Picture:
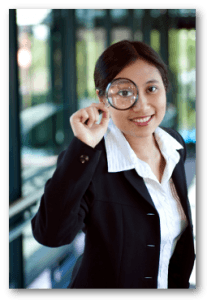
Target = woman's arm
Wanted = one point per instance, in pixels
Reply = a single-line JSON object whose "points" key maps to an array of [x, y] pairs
{"points": [[67, 196]]}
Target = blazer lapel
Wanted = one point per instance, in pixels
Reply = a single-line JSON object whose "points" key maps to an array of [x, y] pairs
{"points": [[138, 183]]}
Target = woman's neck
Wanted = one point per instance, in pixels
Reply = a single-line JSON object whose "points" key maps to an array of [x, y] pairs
{"points": [[146, 148]]}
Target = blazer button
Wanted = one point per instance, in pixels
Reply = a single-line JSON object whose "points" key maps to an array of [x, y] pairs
{"points": [[84, 158]]}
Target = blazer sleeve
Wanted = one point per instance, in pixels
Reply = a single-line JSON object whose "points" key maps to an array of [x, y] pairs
{"points": [[67, 196]]}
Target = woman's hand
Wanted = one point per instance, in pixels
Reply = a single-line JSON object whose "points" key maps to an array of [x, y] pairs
{"points": [[90, 132]]}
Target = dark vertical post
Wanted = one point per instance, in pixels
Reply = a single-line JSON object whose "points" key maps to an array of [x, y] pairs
{"points": [[16, 272], [69, 69], [14, 123], [108, 28], [131, 23], [16, 279], [164, 26], [146, 26]]}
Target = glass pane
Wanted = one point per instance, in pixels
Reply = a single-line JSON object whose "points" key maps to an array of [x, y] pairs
{"points": [[37, 153], [138, 18], [37, 115], [120, 25], [90, 43], [155, 40], [182, 61]]}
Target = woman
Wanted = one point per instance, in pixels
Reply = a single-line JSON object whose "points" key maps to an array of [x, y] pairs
{"points": [[122, 181]]}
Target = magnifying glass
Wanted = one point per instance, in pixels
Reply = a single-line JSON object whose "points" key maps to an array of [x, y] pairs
{"points": [[122, 93]]}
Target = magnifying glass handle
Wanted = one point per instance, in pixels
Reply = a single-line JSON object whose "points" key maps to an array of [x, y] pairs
{"points": [[99, 111]]}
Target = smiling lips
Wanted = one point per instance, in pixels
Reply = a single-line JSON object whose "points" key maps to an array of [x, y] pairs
{"points": [[142, 121]]}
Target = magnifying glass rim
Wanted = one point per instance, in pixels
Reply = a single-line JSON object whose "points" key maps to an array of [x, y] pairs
{"points": [[107, 89]]}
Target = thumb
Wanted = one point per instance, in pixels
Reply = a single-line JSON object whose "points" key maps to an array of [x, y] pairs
{"points": [[105, 118]]}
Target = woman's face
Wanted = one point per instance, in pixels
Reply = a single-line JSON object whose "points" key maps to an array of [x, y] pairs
{"points": [[146, 115]]}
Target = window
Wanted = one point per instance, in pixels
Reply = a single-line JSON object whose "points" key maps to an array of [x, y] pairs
{"points": [[36, 106], [90, 43]]}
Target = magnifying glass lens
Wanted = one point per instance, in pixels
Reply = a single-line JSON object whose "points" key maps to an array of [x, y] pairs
{"points": [[122, 94]]}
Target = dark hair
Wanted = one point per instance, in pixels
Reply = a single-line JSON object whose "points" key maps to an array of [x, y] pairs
{"points": [[116, 57]]}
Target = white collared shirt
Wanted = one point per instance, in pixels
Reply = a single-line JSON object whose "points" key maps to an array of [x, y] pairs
{"points": [[121, 157]]}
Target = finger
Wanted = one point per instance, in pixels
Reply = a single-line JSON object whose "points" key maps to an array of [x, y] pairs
{"points": [[97, 113], [96, 110], [100, 106], [81, 116], [105, 118], [92, 116]]}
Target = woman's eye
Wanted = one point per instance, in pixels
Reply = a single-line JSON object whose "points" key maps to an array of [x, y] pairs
{"points": [[152, 89], [125, 93]]}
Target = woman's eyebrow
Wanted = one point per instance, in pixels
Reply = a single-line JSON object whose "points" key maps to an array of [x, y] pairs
{"points": [[152, 81]]}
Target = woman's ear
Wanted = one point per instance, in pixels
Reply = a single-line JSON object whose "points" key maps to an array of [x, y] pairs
{"points": [[97, 91], [101, 98]]}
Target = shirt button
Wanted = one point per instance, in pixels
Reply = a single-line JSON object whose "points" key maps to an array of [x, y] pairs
{"points": [[84, 158]]}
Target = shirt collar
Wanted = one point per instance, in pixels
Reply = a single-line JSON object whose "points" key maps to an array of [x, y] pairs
{"points": [[121, 157]]}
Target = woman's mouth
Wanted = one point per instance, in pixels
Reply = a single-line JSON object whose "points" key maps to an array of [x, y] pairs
{"points": [[143, 121]]}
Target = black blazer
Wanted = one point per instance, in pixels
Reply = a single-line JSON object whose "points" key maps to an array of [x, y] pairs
{"points": [[117, 214]]}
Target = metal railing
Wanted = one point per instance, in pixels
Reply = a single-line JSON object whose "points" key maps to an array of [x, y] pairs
{"points": [[25, 203]]}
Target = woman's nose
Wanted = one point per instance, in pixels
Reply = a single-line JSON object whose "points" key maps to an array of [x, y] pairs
{"points": [[141, 104]]}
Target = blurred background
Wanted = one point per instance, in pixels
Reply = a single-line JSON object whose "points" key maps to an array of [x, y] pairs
{"points": [[52, 54]]}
